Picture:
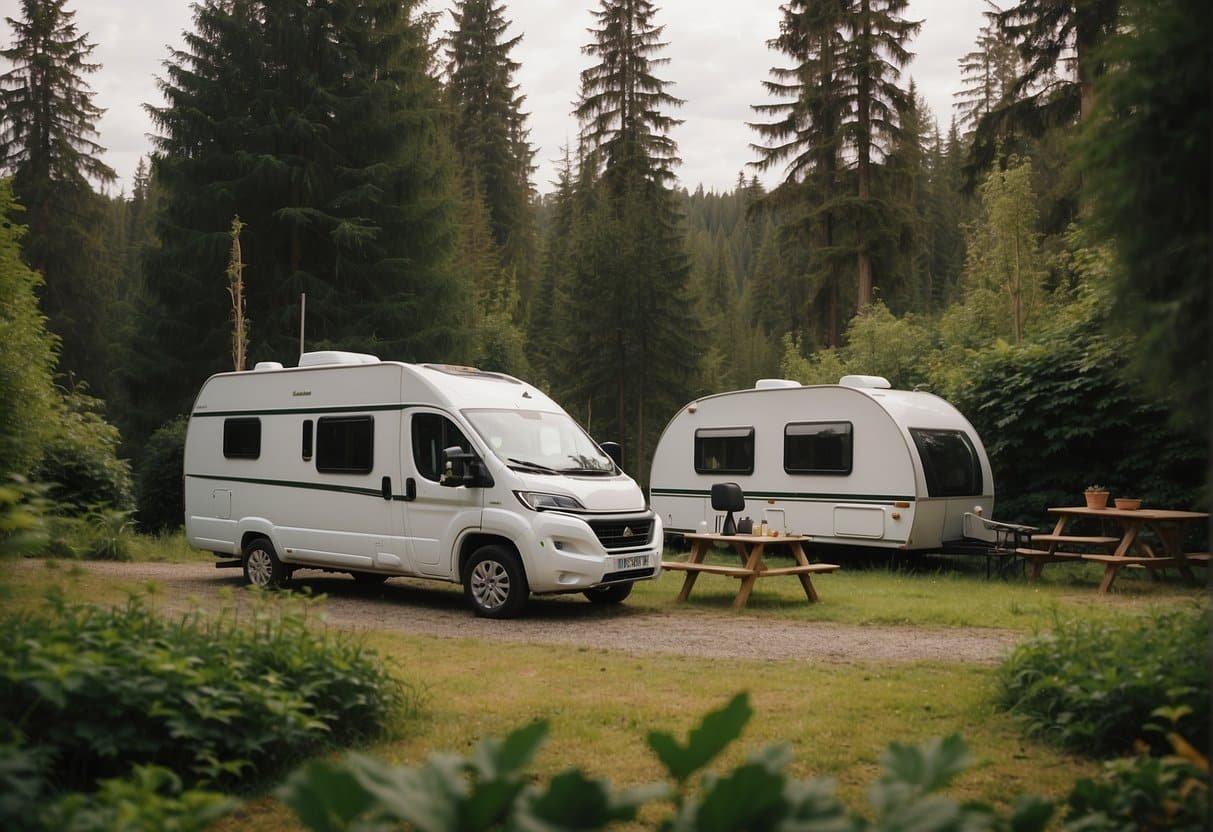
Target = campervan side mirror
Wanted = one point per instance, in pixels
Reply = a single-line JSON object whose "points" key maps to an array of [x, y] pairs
{"points": [[462, 467], [615, 451]]}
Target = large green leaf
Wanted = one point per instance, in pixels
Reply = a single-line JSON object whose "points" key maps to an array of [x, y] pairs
{"points": [[718, 729]]}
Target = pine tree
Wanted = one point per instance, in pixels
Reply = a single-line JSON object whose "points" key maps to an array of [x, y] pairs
{"points": [[988, 72], [320, 126], [47, 143], [632, 340], [871, 66], [1060, 44], [490, 129]]}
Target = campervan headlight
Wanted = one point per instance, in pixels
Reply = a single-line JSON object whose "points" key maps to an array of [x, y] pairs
{"points": [[539, 501]]}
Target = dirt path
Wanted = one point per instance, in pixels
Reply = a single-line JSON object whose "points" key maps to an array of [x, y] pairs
{"points": [[435, 609]]}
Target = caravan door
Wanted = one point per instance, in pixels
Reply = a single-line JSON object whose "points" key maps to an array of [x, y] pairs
{"points": [[435, 515]]}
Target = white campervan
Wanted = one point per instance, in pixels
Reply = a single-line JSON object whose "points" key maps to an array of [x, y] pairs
{"points": [[854, 463], [346, 463]]}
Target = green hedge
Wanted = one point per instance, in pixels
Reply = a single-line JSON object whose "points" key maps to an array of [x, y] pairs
{"points": [[1102, 689]]}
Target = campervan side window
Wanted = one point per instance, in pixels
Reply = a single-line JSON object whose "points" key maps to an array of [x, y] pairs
{"points": [[949, 462], [818, 448], [433, 433], [724, 451], [345, 444], [242, 438]]}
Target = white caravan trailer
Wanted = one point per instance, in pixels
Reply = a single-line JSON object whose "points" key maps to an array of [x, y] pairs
{"points": [[854, 463], [350, 464]]}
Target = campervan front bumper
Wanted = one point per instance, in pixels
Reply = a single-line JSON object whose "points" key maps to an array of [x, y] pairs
{"points": [[574, 552]]}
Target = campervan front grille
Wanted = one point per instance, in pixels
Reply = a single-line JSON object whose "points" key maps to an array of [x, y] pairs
{"points": [[628, 533]]}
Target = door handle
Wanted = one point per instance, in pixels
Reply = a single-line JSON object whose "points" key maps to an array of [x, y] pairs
{"points": [[385, 487], [410, 489]]}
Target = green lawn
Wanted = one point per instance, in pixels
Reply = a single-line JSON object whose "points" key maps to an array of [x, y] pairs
{"points": [[838, 717]]}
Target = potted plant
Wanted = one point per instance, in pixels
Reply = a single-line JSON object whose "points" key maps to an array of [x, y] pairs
{"points": [[1127, 503], [1097, 496]]}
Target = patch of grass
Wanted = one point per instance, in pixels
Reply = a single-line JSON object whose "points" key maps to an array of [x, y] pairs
{"points": [[167, 547]]}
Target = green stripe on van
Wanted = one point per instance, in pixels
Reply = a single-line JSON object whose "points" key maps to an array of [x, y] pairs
{"points": [[309, 486], [791, 496]]}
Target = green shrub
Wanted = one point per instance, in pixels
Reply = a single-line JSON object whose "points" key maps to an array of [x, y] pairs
{"points": [[1143, 793], [490, 789], [1061, 413], [22, 524], [80, 460], [1100, 688], [216, 700], [151, 799], [159, 486], [102, 533]]}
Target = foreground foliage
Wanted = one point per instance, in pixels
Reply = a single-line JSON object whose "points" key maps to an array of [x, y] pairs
{"points": [[1101, 689], [90, 694]]}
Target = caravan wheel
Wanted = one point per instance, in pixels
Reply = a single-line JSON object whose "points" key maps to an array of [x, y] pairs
{"points": [[261, 565], [494, 583]]}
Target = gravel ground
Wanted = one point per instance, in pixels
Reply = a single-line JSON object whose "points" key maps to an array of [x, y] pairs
{"points": [[436, 609]]}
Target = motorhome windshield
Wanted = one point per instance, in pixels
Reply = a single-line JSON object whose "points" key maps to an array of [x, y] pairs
{"points": [[540, 441]]}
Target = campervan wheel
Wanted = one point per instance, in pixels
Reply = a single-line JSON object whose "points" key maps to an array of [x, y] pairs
{"points": [[261, 565], [494, 583]]}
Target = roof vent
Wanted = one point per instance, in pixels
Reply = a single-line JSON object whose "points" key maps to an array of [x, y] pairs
{"points": [[775, 383], [328, 357], [267, 365], [873, 382]]}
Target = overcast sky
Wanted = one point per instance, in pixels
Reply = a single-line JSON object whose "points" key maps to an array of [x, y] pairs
{"points": [[717, 51]]}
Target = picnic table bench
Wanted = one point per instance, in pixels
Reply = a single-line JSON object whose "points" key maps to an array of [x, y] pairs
{"points": [[750, 549]]}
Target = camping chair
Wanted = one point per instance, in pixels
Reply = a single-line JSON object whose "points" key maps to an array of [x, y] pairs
{"points": [[999, 540]]}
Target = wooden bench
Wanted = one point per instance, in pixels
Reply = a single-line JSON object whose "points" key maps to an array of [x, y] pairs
{"points": [[1114, 563], [1197, 558], [711, 568], [1039, 557], [1076, 540]]}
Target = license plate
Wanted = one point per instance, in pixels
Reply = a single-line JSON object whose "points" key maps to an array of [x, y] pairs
{"points": [[632, 562]]}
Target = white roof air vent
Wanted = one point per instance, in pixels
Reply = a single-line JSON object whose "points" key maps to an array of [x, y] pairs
{"points": [[874, 382], [774, 383], [267, 365], [327, 357]]}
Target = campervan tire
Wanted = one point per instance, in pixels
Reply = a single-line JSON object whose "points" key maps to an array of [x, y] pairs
{"points": [[494, 583], [261, 565], [613, 594]]}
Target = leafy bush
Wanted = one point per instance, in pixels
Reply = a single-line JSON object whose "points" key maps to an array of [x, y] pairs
{"points": [[489, 789], [1149, 793], [80, 459], [215, 700], [151, 799], [159, 486], [22, 526], [102, 533], [1100, 688]]}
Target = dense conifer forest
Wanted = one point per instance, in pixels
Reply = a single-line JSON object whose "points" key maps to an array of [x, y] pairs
{"points": [[377, 157]]}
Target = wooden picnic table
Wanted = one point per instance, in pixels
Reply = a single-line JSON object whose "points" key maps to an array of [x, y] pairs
{"points": [[1127, 549], [750, 550]]}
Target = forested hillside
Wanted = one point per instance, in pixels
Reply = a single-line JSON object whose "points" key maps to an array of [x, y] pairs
{"points": [[377, 157]]}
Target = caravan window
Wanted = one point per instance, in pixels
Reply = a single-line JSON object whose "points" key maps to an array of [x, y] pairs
{"points": [[345, 444], [724, 451], [242, 438], [433, 433], [818, 448], [949, 462]]}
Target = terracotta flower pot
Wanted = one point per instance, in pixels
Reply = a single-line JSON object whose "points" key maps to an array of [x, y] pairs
{"points": [[1096, 499], [1127, 503]]}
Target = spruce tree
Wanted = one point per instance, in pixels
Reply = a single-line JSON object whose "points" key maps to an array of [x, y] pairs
{"points": [[319, 125], [48, 144], [634, 347], [988, 72], [490, 129]]}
